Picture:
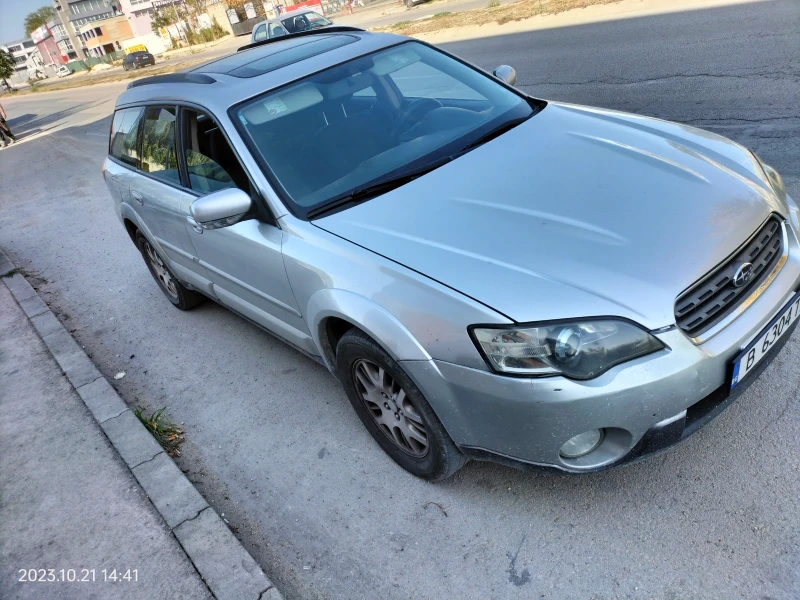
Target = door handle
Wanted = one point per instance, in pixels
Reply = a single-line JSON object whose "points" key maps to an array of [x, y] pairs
{"points": [[138, 197], [195, 225]]}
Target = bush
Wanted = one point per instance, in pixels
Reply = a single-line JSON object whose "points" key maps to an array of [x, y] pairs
{"points": [[217, 29], [206, 34]]}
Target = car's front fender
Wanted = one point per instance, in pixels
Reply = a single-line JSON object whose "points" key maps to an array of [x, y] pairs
{"points": [[411, 316], [368, 316]]}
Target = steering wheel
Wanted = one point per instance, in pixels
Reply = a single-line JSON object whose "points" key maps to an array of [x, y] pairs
{"points": [[412, 114]]}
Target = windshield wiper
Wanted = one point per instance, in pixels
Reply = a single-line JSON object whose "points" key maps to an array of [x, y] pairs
{"points": [[493, 133], [379, 187]]}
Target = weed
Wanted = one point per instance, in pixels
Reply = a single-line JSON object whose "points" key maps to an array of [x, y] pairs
{"points": [[505, 19], [493, 3], [401, 24], [169, 435], [442, 14], [27, 273]]}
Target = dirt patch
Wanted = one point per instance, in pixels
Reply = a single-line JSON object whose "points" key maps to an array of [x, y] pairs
{"points": [[525, 9]]}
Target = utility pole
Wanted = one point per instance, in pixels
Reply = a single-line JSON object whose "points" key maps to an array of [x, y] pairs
{"points": [[62, 7]]}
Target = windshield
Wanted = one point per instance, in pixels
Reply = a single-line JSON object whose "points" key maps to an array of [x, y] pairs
{"points": [[362, 121], [304, 22]]}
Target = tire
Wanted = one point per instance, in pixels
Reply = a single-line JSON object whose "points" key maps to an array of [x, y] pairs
{"points": [[180, 296], [404, 407]]}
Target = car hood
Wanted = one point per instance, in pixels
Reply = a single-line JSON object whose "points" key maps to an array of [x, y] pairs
{"points": [[577, 212]]}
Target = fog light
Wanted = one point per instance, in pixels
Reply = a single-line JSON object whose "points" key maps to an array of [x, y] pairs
{"points": [[582, 443]]}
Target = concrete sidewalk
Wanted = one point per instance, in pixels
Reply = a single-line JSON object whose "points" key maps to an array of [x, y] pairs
{"points": [[66, 499], [90, 505]]}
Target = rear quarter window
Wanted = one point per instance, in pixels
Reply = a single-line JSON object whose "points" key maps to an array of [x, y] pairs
{"points": [[124, 143]]}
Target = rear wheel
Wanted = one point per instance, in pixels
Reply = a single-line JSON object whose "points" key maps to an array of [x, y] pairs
{"points": [[394, 410], [180, 296]]}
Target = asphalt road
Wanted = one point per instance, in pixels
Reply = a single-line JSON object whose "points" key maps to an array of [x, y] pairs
{"points": [[272, 441]]}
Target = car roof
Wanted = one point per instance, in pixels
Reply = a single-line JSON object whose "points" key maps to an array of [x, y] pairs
{"points": [[219, 84]]}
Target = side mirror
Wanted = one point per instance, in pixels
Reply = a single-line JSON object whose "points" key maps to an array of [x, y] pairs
{"points": [[506, 73], [220, 209]]}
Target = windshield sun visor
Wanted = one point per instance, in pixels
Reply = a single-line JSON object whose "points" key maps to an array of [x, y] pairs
{"points": [[291, 100]]}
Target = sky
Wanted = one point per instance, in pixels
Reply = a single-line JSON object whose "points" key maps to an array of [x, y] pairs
{"points": [[12, 16]]}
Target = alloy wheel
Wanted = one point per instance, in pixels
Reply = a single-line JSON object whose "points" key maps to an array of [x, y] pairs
{"points": [[162, 273], [390, 407]]}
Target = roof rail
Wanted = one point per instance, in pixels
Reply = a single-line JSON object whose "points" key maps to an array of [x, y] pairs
{"points": [[332, 29], [173, 78]]}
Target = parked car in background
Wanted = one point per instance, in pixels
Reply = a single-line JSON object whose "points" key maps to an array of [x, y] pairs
{"points": [[488, 274], [63, 71], [137, 60], [288, 23]]}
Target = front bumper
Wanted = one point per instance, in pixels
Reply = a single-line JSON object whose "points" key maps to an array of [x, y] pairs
{"points": [[660, 436], [644, 405]]}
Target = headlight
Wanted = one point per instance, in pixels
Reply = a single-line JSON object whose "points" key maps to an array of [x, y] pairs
{"points": [[580, 349]]}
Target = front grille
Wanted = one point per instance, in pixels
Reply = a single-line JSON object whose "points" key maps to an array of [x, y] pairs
{"points": [[712, 298]]}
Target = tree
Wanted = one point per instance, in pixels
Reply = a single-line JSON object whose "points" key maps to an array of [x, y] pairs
{"points": [[163, 18], [6, 66], [198, 6], [38, 18]]}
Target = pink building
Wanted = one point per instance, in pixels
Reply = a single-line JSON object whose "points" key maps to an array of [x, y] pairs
{"points": [[43, 38]]}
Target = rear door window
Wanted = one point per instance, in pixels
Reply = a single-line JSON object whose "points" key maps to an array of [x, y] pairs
{"points": [[260, 34], [124, 144], [159, 157]]}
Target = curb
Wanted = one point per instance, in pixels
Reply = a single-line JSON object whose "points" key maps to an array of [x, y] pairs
{"points": [[220, 559]]}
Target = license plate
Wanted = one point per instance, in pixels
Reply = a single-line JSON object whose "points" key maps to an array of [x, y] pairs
{"points": [[747, 361]]}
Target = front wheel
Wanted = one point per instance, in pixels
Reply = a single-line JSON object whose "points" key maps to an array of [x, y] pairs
{"points": [[394, 410], [180, 296]]}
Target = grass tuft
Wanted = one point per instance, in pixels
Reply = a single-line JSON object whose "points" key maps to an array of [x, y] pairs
{"points": [[493, 3], [169, 435]]}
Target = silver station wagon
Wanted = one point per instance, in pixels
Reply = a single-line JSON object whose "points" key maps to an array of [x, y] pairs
{"points": [[489, 275]]}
